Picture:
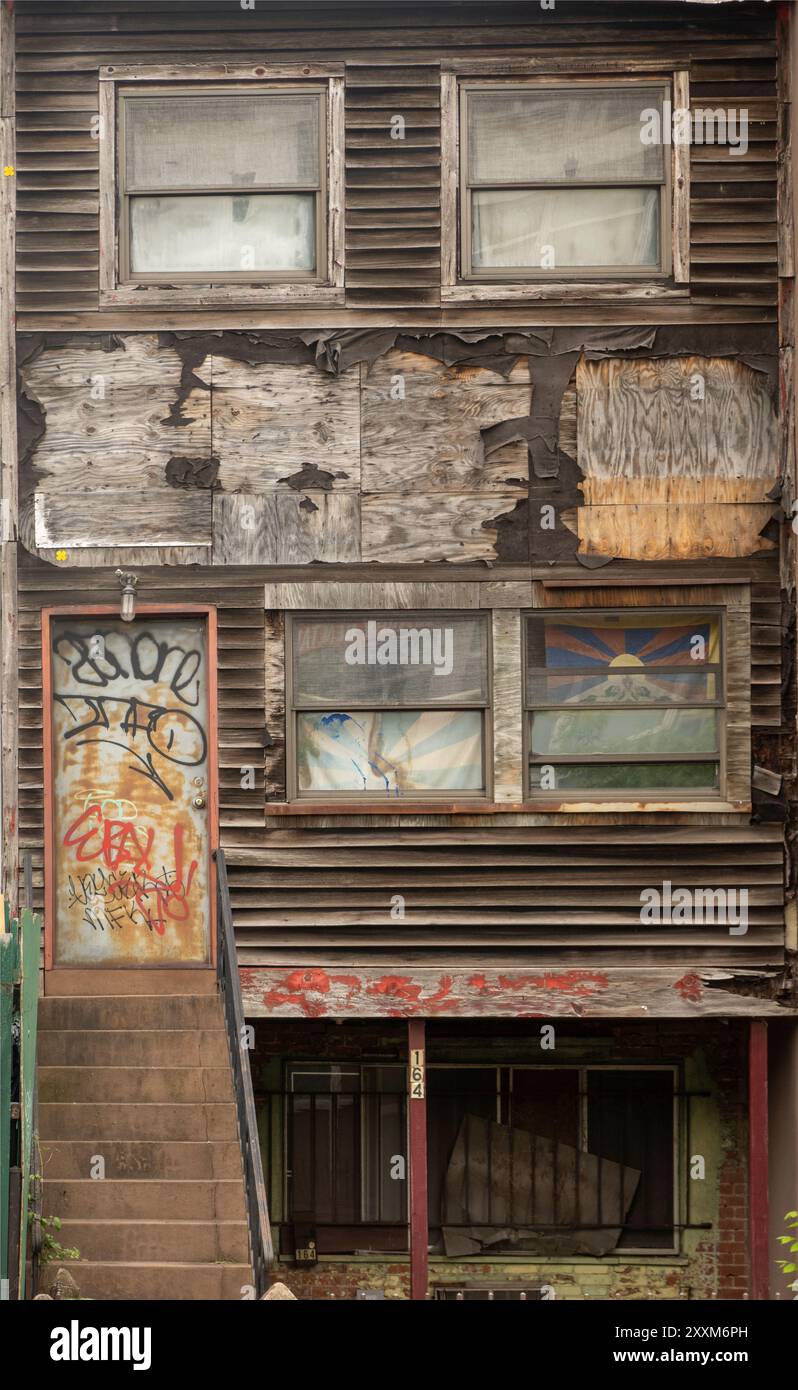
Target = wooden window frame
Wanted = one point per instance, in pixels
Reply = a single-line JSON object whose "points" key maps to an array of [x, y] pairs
{"points": [[325, 286], [459, 284], [366, 800], [732, 603], [657, 793]]}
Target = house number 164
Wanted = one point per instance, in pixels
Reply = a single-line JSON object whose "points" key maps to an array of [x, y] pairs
{"points": [[417, 1074]]}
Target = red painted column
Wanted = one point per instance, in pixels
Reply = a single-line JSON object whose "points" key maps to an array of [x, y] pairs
{"points": [[417, 1158], [758, 1158]]}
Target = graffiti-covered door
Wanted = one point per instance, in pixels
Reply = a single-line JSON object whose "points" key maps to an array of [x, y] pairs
{"points": [[130, 792]]}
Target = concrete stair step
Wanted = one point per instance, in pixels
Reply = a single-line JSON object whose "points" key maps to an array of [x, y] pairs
{"points": [[157, 1199], [152, 1280], [141, 1158], [192, 1242], [139, 1011], [137, 1120], [172, 1084], [155, 1047]]}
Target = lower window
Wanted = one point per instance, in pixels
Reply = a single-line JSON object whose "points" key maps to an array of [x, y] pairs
{"points": [[547, 1160]]}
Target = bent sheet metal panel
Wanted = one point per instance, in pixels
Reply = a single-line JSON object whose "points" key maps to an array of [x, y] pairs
{"points": [[130, 750]]}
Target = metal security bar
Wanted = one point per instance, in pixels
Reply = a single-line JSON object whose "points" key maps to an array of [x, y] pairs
{"points": [[601, 1174]]}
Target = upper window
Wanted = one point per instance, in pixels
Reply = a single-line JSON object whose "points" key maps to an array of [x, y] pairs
{"points": [[625, 704], [222, 184], [235, 187], [561, 180], [393, 705]]}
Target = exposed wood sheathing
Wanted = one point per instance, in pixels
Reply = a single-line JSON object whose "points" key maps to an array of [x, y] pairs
{"points": [[680, 457], [355, 447]]}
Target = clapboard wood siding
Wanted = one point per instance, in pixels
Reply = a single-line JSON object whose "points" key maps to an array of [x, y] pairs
{"points": [[393, 55], [504, 891]]}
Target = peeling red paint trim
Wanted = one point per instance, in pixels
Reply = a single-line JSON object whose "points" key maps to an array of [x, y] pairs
{"points": [[311, 991], [690, 987]]}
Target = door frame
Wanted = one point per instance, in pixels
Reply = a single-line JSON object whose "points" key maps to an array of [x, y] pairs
{"points": [[201, 610]]}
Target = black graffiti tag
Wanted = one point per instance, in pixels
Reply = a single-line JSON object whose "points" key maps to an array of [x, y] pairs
{"points": [[171, 734], [146, 658]]}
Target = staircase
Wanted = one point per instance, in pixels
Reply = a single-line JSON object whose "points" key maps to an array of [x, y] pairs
{"points": [[144, 1083]]}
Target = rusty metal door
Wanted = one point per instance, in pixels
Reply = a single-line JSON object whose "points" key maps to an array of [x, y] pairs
{"points": [[130, 795]]}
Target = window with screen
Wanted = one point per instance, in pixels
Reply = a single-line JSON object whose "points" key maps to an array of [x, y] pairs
{"points": [[222, 184], [624, 704], [389, 706], [563, 179]]}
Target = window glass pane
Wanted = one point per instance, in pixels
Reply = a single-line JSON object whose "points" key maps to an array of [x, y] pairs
{"points": [[384, 1138], [553, 776], [533, 137], [557, 228], [395, 753], [395, 659], [628, 661], [325, 1172], [223, 140], [258, 232], [623, 687], [630, 1121], [587, 732], [623, 641]]}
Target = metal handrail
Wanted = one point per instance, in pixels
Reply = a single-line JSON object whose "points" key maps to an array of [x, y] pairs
{"points": [[260, 1235]]}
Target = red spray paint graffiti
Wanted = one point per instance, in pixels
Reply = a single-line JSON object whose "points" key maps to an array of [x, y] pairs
{"points": [[125, 849]]}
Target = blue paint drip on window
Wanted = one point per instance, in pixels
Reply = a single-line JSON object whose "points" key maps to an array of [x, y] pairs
{"points": [[337, 725]]}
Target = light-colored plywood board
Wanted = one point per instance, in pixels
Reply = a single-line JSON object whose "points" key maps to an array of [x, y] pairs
{"points": [[287, 528], [408, 529], [422, 426], [680, 417], [106, 519], [108, 417], [507, 706], [273, 420], [371, 597], [671, 532]]}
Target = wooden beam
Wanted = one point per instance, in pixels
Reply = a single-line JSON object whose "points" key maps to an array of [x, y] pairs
{"points": [[8, 473], [417, 1159], [681, 186], [758, 1159], [328, 989]]}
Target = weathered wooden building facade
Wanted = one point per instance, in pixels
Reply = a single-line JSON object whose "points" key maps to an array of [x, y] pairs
{"points": [[429, 378]]}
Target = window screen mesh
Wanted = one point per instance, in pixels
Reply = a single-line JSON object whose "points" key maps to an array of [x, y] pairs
{"points": [[216, 141]]}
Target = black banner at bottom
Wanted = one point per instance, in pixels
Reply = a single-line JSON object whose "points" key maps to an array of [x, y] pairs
{"points": [[319, 1338]]}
